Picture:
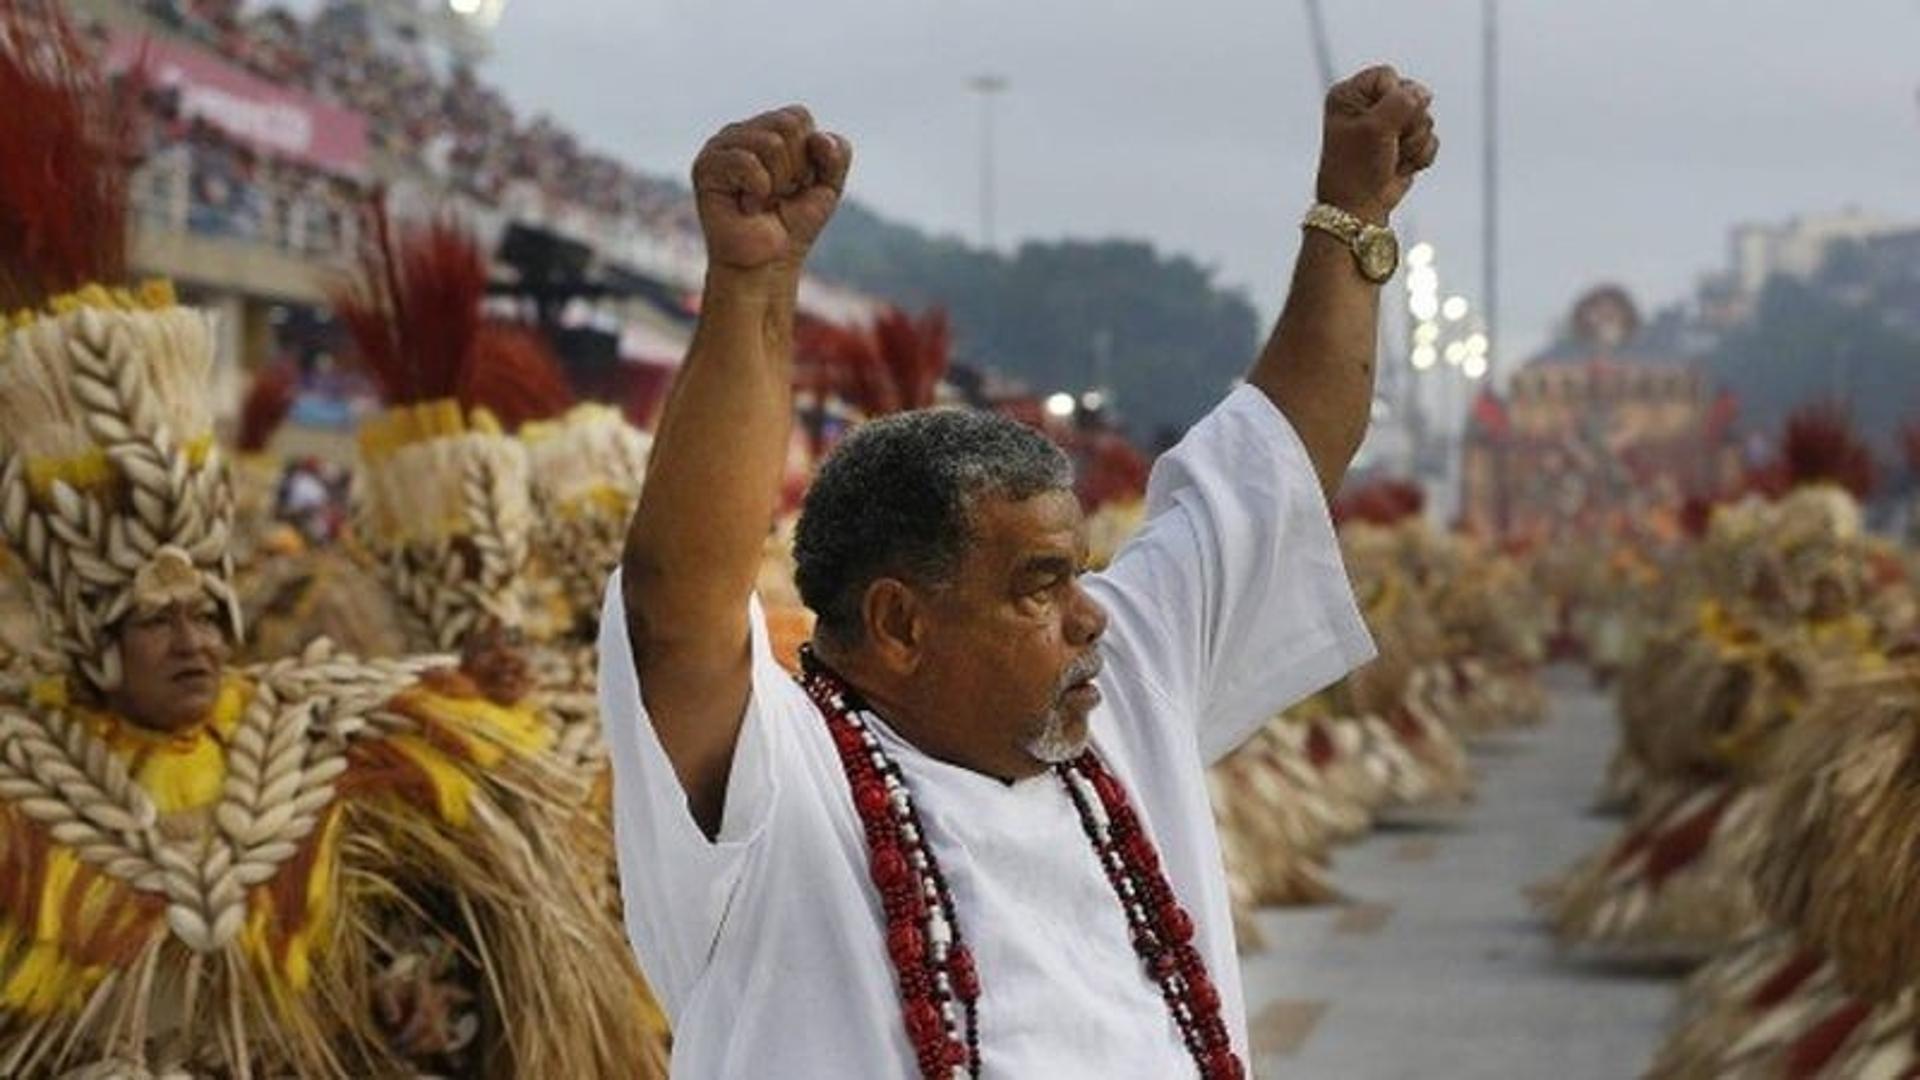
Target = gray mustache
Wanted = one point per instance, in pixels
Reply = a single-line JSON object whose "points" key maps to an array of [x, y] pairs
{"points": [[1087, 667]]}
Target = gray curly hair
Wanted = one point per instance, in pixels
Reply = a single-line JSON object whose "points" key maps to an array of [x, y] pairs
{"points": [[896, 498]]}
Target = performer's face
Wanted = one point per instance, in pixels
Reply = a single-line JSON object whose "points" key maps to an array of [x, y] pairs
{"points": [[172, 658], [1830, 598], [1010, 649]]}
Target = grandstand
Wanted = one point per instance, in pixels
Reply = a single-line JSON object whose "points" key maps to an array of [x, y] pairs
{"points": [[265, 131]]}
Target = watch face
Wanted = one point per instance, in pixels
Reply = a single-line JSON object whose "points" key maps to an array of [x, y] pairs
{"points": [[1379, 253]]}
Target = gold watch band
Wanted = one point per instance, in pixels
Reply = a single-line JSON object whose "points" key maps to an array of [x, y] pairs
{"points": [[1330, 218], [1376, 251]]}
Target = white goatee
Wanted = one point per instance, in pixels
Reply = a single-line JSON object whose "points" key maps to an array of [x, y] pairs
{"points": [[1052, 744]]}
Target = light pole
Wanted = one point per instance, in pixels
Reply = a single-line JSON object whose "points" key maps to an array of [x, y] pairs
{"points": [[988, 87], [1322, 49], [1490, 210]]}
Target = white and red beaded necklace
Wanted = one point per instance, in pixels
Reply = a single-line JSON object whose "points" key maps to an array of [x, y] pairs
{"points": [[939, 988]]}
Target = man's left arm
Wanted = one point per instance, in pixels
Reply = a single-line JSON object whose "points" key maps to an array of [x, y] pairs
{"points": [[1232, 600], [1318, 366]]}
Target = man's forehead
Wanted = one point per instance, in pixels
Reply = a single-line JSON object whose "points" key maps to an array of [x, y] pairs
{"points": [[1012, 530]]}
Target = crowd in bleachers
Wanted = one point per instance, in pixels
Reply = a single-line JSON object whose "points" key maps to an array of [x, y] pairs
{"points": [[195, 176], [441, 117]]}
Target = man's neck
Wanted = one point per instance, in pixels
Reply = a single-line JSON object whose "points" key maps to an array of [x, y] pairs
{"points": [[906, 720]]}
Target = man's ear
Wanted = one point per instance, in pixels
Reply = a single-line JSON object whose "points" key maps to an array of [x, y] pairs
{"points": [[893, 614]]}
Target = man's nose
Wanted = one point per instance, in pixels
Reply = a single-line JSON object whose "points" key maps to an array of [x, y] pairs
{"points": [[1087, 620]]}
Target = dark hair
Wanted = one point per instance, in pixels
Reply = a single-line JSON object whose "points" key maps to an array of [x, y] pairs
{"points": [[895, 500]]}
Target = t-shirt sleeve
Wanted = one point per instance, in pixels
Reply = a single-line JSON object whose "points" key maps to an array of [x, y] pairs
{"points": [[1232, 601], [675, 882]]}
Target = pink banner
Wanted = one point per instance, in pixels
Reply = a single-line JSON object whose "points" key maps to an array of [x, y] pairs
{"points": [[282, 123]]}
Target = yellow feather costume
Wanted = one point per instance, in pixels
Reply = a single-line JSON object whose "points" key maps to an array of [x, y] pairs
{"points": [[317, 877]]}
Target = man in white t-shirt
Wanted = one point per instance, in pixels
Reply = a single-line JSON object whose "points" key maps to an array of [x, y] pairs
{"points": [[975, 839]]}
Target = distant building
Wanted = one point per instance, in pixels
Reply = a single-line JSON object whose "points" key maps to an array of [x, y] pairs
{"points": [[1799, 248], [1804, 249], [1881, 275], [1602, 428]]}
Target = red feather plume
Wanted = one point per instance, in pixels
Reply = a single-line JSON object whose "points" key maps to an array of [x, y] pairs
{"points": [[514, 374], [1910, 446], [1769, 481], [914, 353], [1696, 516], [1382, 502], [1111, 470], [892, 366], [414, 309], [65, 154], [268, 402], [1821, 446]]}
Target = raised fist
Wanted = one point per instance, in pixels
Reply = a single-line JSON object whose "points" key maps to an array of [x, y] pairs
{"points": [[765, 188], [1379, 136]]}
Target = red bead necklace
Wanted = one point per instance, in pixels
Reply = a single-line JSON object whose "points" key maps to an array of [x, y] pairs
{"points": [[939, 988]]}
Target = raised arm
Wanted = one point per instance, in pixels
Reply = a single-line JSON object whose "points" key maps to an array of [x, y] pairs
{"points": [[1318, 365], [765, 189]]}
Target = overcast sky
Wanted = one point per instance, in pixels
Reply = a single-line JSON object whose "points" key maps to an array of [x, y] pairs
{"points": [[1635, 132]]}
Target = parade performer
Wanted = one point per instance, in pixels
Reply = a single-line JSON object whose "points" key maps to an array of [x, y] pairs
{"points": [[1824, 987], [974, 838], [442, 493], [319, 866], [444, 496], [1827, 990], [258, 474], [1776, 612], [587, 465], [293, 592]]}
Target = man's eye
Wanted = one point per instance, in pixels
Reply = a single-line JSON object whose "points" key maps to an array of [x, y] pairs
{"points": [[1053, 585]]}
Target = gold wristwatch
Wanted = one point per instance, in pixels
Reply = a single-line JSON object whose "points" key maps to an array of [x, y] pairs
{"points": [[1375, 247]]}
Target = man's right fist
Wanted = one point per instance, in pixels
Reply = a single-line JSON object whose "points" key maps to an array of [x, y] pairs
{"points": [[766, 187]]}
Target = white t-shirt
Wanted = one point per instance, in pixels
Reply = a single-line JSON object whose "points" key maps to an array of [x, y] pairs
{"points": [[766, 945]]}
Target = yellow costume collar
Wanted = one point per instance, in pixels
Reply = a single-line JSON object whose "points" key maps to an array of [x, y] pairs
{"points": [[179, 770]]}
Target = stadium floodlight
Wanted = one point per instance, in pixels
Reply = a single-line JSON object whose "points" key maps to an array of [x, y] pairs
{"points": [[484, 13], [1060, 406]]}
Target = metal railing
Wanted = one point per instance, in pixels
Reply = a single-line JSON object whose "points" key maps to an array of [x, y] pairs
{"points": [[182, 190], [179, 191]]}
